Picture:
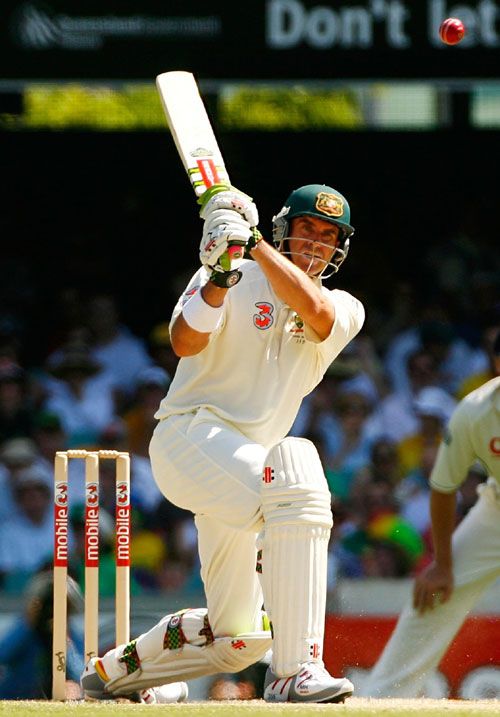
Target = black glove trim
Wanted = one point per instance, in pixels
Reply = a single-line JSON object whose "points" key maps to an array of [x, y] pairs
{"points": [[225, 279]]}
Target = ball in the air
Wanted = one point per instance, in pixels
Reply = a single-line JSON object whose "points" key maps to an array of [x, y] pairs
{"points": [[451, 31]]}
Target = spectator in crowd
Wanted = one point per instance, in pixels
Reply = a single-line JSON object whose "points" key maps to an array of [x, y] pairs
{"points": [[173, 524], [346, 446], [433, 407], [49, 437], [82, 396], [394, 416], [368, 372], [384, 524], [27, 537], [16, 456], [358, 371], [160, 349], [113, 346], [11, 338], [16, 410], [384, 558], [413, 491], [149, 554], [183, 569], [434, 333], [383, 467], [26, 645], [394, 314], [152, 384], [372, 539]]}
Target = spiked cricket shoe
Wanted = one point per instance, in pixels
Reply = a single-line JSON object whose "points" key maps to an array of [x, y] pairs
{"points": [[311, 684]]}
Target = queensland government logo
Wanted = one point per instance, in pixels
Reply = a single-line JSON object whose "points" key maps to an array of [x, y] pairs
{"points": [[37, 26]]}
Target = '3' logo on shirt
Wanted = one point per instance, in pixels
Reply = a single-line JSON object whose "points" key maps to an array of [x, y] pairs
{"points": [[264, 319]]}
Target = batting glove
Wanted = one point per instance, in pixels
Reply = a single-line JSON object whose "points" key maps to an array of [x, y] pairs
{"points": [[224, 228], [231, 199]]}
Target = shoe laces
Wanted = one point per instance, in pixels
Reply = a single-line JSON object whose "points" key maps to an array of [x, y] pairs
{"points": [[315, 670]]}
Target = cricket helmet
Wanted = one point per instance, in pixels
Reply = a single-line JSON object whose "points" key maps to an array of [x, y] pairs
{"points": [[323, 202]]}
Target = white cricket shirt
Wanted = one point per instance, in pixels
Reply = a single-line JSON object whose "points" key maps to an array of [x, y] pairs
{"points": [[262, 360], [473, 434]]}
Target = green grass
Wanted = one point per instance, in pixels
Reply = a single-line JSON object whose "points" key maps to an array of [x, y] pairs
{"points": [[354, 707]]}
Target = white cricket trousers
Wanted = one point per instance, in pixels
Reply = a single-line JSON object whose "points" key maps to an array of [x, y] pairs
{"points": [[206, 466], [418, 642]]}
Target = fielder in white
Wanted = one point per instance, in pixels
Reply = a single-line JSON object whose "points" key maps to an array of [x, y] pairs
{"points": [[253, 341], [466, 560]]}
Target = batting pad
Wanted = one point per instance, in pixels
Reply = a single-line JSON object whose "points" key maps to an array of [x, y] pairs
{"points": [[166, 654], [297, 522]]}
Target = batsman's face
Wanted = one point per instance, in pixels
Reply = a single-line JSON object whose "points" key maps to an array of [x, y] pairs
{"points": [[312, 243]]}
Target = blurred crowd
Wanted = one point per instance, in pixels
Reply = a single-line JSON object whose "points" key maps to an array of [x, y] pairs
{"points": [[97, 389], [377, 420]]}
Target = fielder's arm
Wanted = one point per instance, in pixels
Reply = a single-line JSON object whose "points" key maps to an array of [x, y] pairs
{"points": [[296, 289], [436, 581]]}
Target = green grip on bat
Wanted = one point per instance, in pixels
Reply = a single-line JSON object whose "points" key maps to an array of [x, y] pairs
{"points": [[214, 189], [233, 252]]}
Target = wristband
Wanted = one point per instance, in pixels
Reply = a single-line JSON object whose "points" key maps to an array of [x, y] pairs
{"points": [[200, 316]]}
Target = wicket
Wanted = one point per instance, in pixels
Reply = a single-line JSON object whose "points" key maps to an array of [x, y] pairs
{"points": [[61, 549]]}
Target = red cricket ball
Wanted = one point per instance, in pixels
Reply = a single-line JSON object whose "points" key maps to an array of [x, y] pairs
{"points": [[451, 31]]}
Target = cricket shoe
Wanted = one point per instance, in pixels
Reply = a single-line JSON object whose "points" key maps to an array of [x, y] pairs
{"points": [[93, 687], [311, 684]]}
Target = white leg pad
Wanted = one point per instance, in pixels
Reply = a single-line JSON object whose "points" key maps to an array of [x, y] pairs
{"points": [[296, 506], [166, 654]]}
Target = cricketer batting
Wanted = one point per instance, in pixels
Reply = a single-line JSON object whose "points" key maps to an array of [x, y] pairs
{"points": [[253, 341]]}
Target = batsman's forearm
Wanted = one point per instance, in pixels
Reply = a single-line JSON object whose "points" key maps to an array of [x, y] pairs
{"points": [[186, 340], [296, 289], [443, 519]]}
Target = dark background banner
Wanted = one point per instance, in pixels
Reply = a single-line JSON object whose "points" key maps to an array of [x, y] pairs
{"points": [[261, 39]]}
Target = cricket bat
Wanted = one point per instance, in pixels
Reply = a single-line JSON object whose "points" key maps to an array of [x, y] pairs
{"points": [[194, 138]]}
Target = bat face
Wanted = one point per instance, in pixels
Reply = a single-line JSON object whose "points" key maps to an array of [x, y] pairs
{"points": [[191, 129]]}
